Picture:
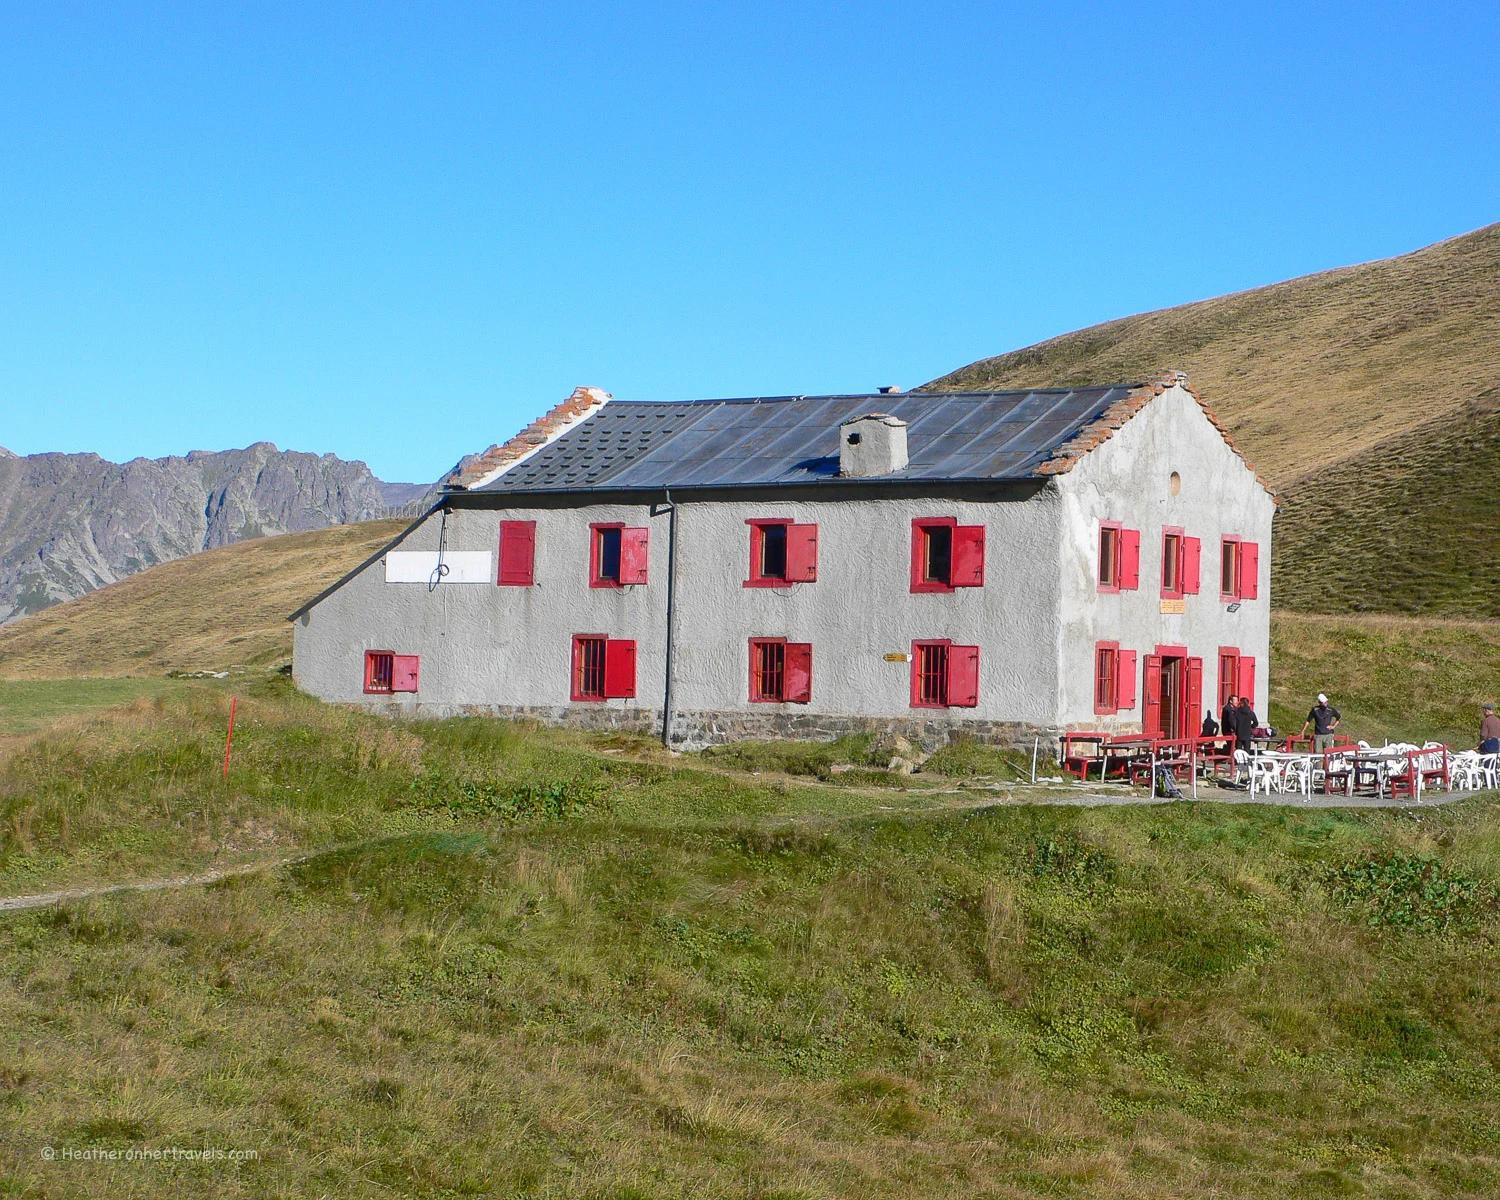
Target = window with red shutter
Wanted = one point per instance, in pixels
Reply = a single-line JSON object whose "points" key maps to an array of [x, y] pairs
{"points": [[946, 555], [618, 556], [1125, 695], [1130, 559], [406, 671], [1249, 570], [619, 668], [588, 666], [1106, 677], [635, 555], [782, 553], [1109, 556], [517, 554], [380, 671], [1192, 555]]}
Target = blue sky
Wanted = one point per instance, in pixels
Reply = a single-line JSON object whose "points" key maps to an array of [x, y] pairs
{"points": [[397, 232]]}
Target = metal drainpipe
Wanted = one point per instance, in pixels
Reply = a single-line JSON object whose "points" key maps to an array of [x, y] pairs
{"points": [[667, 698]]}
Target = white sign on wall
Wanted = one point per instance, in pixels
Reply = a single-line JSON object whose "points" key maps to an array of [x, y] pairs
{"points": [[417, 566]]}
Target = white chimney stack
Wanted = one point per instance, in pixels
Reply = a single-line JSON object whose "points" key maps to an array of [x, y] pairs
{"points": [[874, 444]]}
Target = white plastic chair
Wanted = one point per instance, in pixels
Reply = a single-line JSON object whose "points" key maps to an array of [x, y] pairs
{"points": [[1266, 776], [1296, 776], [1489, 767], [1466, 772]]}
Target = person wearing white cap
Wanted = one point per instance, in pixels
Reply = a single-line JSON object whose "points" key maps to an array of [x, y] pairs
{"points": [[1324, 719]]}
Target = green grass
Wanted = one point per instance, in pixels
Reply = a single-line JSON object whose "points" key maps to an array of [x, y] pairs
{"points": [[1392, 677], [1411, 527], [534, 963], [27, 705]]}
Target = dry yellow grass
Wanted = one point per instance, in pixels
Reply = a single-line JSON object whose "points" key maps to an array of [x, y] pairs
{"points": [[208, 611], [1311, 371]]}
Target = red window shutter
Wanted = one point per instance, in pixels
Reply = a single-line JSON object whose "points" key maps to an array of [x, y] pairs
{"points": [[918, 548], [798, 686], [968, 556], [1126, 681], [1151, 680], [801, 553], [619, 669], [1192, 553], [1193, 702], [635, 547], [963, 676], [1249, 570], [517, 553], [406, 672], [1245, 686], [1130, 559]]}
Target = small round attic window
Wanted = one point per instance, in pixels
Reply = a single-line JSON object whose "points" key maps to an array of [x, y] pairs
{"points": [[1174, 483]]}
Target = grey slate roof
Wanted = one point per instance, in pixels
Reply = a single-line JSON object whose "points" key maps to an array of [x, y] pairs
{"points": [[629, 445]]}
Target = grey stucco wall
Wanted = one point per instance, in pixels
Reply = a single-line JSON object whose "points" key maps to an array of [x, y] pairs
{"points": [[486, 647], [1127, 480]]}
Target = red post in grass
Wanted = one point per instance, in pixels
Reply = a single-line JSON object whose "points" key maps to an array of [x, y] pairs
{"points": [[230, 737]]}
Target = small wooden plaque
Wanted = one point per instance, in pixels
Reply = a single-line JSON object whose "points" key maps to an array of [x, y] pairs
{"points": [[898, 658], [1174, 606]]}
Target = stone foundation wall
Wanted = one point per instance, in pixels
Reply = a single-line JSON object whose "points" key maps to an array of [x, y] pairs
{"points": [[695, 730]]}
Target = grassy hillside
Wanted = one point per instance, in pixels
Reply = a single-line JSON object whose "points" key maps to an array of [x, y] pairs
{"points": [[1411, 526], [1310, 371], [208, 611], [1367, 395], [673, 980]]}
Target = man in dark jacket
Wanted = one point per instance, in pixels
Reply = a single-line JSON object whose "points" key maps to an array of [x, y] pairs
{"points": [[1226, 718], [1244, 725]]}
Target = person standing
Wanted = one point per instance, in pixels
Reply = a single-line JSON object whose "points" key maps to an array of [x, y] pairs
{"points": [[1324, 719], [1489, 731], [1226, 718], [1244, 725]]}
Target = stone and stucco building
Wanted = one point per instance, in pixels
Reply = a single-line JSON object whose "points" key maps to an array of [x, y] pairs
{"points": [[998, 563]]}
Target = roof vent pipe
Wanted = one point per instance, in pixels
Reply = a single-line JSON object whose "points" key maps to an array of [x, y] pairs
{"points": [[874, 444], [890, 389]]}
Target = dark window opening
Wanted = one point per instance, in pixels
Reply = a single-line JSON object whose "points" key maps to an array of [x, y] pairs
{"points": [[937, 559], [609, 555], [1109, 557], [773, 552], [1171, 564], [1106, 679]]}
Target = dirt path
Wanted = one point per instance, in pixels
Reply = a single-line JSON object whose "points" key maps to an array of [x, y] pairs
{"points": [[42, 899], [998, 798]]}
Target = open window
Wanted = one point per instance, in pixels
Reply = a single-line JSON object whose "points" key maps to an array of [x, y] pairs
{"points": [[603, 667], [1172, 563], [1229, 675], [1119, 557], [387, 672], [782, 553], [1239, 568], [618, 555], [946, 555], [780, 671], [944, 675]]}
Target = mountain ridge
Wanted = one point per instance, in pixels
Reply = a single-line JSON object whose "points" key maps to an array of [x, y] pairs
{"points": [[72, 523]]}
